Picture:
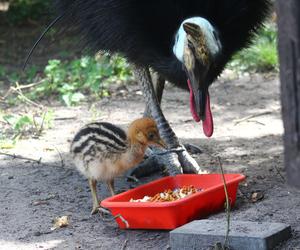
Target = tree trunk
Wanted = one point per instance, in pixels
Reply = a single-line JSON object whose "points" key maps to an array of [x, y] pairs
{"points": [[289, 51]]}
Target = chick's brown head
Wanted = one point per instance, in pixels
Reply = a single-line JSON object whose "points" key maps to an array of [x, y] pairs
{"points": [[144, 131]]}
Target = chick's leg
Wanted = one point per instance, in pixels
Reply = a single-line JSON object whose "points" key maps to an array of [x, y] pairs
{"points": [[111, 188], [93, 187], [173, 161]]}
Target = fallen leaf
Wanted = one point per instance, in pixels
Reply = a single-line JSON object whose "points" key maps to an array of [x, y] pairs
{"points": [[49, 149], [60, 222]]}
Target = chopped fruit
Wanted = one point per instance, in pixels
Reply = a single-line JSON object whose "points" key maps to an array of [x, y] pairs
{"points": [[169, 195]]}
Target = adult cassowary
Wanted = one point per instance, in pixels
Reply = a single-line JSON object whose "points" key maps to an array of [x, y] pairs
{"points": [[187, 42]]}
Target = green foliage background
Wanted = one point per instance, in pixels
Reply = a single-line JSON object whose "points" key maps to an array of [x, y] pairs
{"points": [[22, 10]]}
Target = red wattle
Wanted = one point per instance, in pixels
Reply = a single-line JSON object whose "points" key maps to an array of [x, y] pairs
{"points": [[208, 124]]}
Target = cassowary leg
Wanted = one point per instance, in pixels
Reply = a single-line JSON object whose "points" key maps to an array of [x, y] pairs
{"points": [[159, 85], [173, 161]]}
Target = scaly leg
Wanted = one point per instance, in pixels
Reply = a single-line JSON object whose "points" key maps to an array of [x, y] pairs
{"points": [[159, 85], [173, 161], [111, 188], [93, 187]]}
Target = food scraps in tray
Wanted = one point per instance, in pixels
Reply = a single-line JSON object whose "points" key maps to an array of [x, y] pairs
{"points": [[169, 195]]}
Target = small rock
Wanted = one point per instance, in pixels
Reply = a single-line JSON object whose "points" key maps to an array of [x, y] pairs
{"points": [[40, 202], [84, 219], [50, 197], [11, 177], [257, 196], [37, 234]]}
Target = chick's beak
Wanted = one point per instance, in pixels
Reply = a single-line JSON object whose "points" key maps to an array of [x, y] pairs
{"points": [[161, 143]]}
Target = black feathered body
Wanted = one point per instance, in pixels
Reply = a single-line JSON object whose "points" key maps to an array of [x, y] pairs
{"points": [[144, 31]]}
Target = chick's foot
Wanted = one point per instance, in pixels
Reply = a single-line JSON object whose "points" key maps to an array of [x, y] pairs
{"points": [[95, 209]]}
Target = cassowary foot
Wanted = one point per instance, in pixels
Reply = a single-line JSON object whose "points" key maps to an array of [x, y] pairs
{"points": [[193, 149], [188, 163], [169, 162], [156, 163]]}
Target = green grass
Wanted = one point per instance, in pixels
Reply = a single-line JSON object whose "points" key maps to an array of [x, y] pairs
{"points": [[21, 11], [262, 56], [15, 126], [68, 81], [72, 81]]}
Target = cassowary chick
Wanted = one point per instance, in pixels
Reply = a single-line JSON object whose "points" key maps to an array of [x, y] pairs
{"points": [[103, 151]]}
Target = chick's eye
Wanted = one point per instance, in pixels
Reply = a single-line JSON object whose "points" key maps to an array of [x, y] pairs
{"points": [[151, 136]]}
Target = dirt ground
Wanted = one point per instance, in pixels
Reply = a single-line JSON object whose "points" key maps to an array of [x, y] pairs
{"points": [[33, 194], [248, 138]]}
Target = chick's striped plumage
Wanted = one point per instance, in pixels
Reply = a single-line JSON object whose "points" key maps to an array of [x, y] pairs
{"points": [[97, 148], [102, 151]]}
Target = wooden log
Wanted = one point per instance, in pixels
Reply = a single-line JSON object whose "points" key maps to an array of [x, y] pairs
{"points": [[289, 52]]}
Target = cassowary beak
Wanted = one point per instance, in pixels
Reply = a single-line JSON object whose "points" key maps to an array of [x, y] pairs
{"points": [[198, 96], [197, 61]]}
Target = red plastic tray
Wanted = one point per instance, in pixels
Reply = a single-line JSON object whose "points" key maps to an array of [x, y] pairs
{"points": [[170, 215]]}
